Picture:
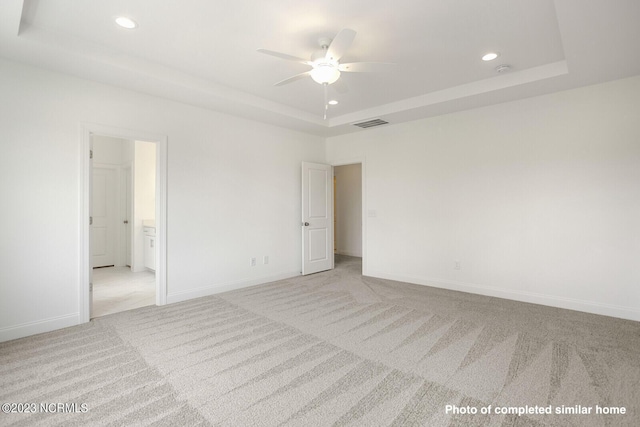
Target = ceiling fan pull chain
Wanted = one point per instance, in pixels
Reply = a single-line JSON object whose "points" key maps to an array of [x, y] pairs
{"points": [[326, 104]]}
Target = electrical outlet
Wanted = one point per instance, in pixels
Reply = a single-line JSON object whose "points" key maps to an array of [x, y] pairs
{"points": [[456, 265], [265, 260], [252, 262]]}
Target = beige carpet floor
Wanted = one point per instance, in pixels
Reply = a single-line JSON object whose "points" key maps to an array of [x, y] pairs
{"points": [[333, 348]]}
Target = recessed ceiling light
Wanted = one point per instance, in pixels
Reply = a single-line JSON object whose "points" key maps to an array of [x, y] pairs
{"points": [[333, 102], [125, 22], [490, 56]]}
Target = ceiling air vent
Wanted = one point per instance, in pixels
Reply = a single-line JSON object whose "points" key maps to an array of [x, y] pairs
{"points": [[370, 123]]}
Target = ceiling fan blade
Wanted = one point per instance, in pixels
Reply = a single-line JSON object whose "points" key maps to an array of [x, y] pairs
{"points": [[284, 56], [340, 44], [366, 67], [293, 78]]}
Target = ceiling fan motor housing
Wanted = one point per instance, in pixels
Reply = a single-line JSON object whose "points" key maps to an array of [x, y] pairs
{"points": [[319, 54], [325, 70]]}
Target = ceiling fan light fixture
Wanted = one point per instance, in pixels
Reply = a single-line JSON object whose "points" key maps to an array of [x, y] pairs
{"points": [[325, 73]]}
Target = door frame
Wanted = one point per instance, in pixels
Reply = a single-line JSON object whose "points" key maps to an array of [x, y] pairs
{"points": [[85, 131], [363, 182]]}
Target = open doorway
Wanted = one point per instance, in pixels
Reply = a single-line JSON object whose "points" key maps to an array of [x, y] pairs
{"points": [[347, 216], [85, 291], [123, 194]]}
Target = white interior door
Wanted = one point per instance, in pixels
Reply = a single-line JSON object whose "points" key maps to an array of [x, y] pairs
{"points": [[128, 216], [103, 230], [317, 217]]}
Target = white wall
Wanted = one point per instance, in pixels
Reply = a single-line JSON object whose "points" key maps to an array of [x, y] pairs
{"points": [[233, 193], [539, 199], [144, 197], [348, 210]]}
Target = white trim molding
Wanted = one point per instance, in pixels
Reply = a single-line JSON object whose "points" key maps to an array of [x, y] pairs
{"points": [[204, 291], [628, 313], [39, 326]]}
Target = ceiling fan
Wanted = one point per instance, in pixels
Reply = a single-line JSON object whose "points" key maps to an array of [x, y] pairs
{"points": [[325, 62]]}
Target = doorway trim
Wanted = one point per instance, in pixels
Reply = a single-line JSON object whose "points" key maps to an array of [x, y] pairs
{"points": [[86, 130], [363, 182]]}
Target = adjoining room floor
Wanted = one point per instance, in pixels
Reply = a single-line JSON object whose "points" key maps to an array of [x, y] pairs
{"points": [[117, 289]]}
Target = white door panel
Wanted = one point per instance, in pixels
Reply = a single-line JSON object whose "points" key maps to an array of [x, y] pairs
{"points": [[91, 239], [317, 217], [99, 242], [104, 204], [317, 188], [317, 245], [128, 216]]}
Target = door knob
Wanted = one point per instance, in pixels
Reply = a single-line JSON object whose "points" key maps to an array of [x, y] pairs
{"points": [[306, 224], [126, 221]]}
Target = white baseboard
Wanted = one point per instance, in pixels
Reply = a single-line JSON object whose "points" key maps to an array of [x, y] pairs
{"points": [[39, 326], [628, 313], [224, 287]]}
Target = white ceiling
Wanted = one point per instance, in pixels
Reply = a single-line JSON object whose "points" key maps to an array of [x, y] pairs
{"points": [[203, 52]]}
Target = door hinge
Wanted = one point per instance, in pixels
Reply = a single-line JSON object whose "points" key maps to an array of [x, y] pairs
{"points": [[91, 154], [90, 220]]}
